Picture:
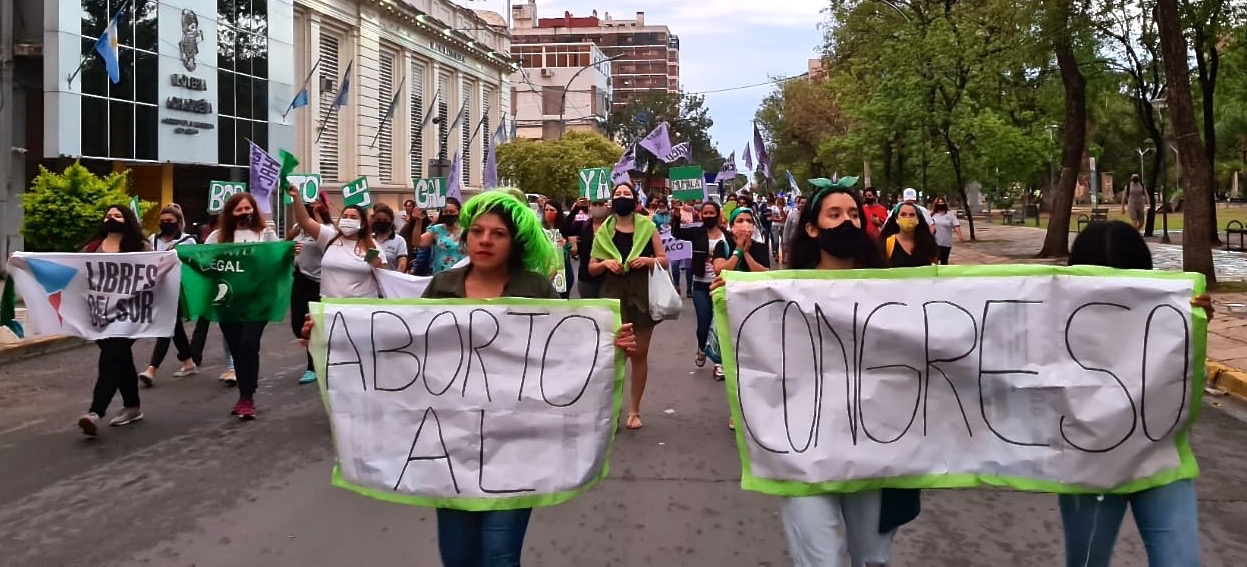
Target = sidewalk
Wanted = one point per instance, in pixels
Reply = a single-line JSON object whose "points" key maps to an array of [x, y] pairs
{"points": [[1227, 332]]}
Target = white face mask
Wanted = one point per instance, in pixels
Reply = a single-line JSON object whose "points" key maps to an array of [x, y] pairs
{"points": [[348, 227]]}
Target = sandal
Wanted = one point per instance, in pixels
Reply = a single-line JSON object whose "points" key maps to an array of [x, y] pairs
{"points": [[634, 421], [700, 361]]}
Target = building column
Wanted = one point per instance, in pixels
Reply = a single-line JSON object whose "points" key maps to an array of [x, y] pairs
{"points": [[166, 184], [366, 110]]}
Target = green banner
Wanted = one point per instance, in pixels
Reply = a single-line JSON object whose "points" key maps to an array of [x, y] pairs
{"points": [[430, 192], [688, 183], [308, 184], [595, 183], [1072, 380], [237, 282], [530, 422], [220, 191], [356, 193]]}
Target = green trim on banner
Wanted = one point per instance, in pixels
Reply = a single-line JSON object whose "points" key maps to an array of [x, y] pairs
{"points": [[320, 360], [1187, 468]]}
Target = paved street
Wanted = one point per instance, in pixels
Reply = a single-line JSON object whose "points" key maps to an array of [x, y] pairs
{"points": [[192, 486]]}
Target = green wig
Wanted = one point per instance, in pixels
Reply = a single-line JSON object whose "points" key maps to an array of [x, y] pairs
{"points": [[536, 249]]}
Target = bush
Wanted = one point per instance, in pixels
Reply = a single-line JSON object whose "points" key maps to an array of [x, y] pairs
{"points": [[64, 210]]}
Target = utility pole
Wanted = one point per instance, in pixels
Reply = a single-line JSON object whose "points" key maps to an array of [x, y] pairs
{"points": [[10, 192]]}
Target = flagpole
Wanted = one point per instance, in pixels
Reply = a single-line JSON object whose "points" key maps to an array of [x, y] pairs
{"points": [[334, 105], [305, 83], [389, 113], [85, 57], [424, 123], [477, 130]]}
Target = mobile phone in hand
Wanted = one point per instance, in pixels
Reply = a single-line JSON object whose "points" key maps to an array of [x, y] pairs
{"points": [[372, 254]]}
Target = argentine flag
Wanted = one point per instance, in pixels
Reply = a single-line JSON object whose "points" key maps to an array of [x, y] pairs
{"points": [[106, 46]]}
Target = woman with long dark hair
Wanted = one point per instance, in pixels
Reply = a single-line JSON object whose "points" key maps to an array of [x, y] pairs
{"points": [[241, 222], [707, 239], [119, 232], [348, 252], [907, 239]]}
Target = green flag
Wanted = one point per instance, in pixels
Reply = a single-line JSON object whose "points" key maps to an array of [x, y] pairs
{"points": [[288, 163], [237, 282], [134, 206]]}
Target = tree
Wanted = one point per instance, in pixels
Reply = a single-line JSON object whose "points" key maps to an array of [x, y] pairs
{"points": [[687, 118], [1197, 207], [1059, 19], [552, 168], [64, 210]]}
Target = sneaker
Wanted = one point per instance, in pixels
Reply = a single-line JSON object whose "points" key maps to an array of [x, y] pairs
{"points": [[701, 359], [90, 424], [184, 372], [718, 372], [126, 417], [148, 377], [244, 409], [307, 377], [228, 377]]}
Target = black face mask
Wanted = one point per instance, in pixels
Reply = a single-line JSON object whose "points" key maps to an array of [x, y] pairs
{"points": [[168, 228], [871, 200], [382, 227], [244, 220], [623, 206], [844, 241], [114, 225], [709, 222], [448, 219]]}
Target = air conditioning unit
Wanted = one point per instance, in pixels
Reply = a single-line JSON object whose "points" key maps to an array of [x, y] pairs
{"points": [[547, 73]]}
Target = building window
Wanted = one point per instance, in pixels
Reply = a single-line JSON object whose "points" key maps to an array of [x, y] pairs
{"points": [[443, 114], [551, 100], [330, 69], [123, 117], [242, 73], [416, 108], [466, 130], [385, 135], [487, 133]]}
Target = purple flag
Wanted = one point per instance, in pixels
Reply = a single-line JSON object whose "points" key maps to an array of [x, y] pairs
{"points": [[748, 155], [679, 151], [265, 172], [764, 161], [454, 185], [658, 142], [627, 163], [491, 159], [728, 171]]}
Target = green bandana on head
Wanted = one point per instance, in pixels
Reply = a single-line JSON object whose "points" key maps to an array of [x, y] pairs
{"points": [[538, 252]]}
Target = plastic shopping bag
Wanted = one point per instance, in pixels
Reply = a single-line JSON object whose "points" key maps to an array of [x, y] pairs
{"points": [[664, 301], [711, 348]]}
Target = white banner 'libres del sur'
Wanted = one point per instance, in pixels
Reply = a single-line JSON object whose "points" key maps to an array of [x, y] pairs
{"points": [[98, 295], [1036, 378], [486, 405]]}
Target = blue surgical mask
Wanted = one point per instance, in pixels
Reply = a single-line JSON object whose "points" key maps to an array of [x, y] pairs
{"points": [[662, 218]]}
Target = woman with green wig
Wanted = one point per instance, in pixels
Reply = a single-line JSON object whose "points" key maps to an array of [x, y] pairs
{"points": [[626, 248]]}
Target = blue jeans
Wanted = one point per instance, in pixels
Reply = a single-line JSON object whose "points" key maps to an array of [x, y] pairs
{"points": [[704, 307], [812, 527], [1167, 517], [481, 539], [685, 266]]}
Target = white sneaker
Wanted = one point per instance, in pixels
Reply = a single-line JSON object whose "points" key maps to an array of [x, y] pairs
{"points": [[126, 417], [148, 378], [718, 372], [184, 372], [89, 424], [228, 377]]}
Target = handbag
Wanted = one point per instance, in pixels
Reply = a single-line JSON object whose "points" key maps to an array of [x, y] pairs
{"points": [[711, 348], [665, 303]]}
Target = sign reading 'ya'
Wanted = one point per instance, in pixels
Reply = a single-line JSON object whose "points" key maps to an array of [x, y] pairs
{"points": [[1031, 377], [595, 183], [220, 191], [494, 405]]}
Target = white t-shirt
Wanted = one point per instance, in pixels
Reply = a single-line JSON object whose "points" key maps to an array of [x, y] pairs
{"points": [[392, 249], [244, 236], [945, 223], [343, 273], [160, 244], [308, 260]]}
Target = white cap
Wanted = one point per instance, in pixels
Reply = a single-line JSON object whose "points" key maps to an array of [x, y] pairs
{"points": [[910, 194]]}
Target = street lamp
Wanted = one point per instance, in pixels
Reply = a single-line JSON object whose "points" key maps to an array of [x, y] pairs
{"points": [[1160, 105], [563, 99]]}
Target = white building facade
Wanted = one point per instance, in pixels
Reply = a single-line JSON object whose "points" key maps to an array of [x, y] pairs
{"points": [[560, 87]]}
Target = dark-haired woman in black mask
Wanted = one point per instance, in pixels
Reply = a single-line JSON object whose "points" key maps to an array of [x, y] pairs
{"points": [[707, 239]]}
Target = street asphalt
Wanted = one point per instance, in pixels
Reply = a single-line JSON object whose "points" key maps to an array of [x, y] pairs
{"points": [[191, 486]]}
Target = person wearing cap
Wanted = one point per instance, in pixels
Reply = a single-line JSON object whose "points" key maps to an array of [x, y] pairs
{"points": [[910, 195]]}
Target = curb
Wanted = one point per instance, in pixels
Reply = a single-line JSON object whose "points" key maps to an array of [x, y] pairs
{"points": [[1225, 378], [37, 346]]}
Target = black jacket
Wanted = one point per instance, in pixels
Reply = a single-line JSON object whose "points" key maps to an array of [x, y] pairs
{"points": [[696, 235]]}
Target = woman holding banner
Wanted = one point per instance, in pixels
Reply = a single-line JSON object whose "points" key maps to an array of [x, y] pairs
{"points": [[120, 232], [242, 221], [190, 350], [510, 257], [627, 279], [830, 236], [1167, 516], [348, 252], [706, 239]]}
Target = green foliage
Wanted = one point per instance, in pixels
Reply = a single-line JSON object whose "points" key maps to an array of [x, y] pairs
{"points": [[64, 210], [552, 168]]}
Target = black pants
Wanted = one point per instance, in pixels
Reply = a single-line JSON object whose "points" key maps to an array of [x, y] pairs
{"points": [[945, 252], [243, 339], [191, 349], [304, 291], [116, 372]]}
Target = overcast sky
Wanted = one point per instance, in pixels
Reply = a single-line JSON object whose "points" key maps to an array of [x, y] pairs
{"points": [[723, 44]]}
